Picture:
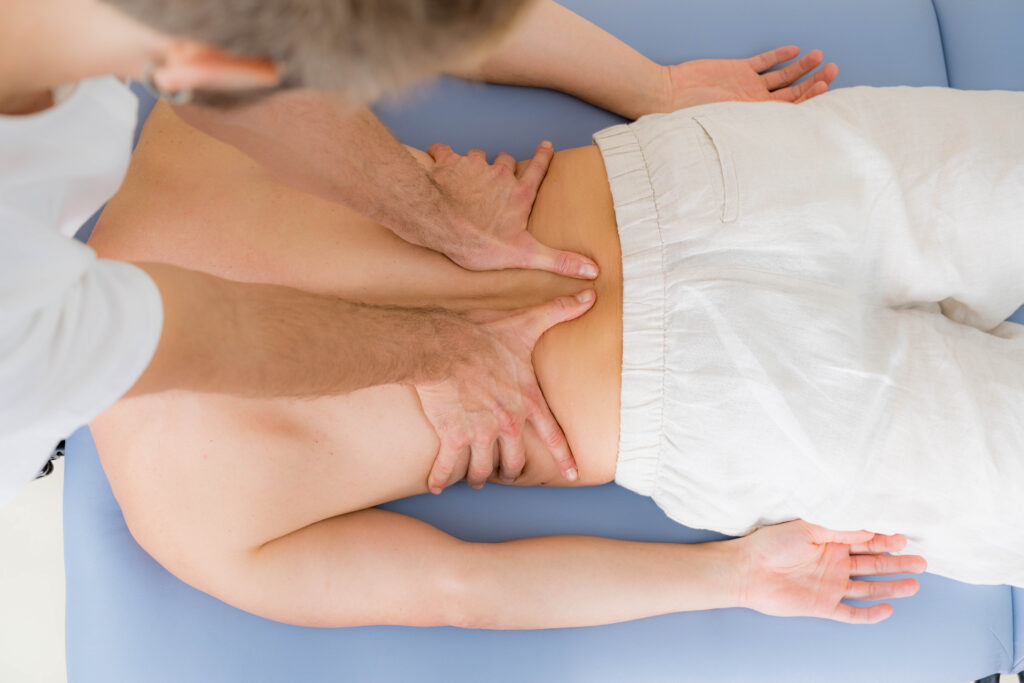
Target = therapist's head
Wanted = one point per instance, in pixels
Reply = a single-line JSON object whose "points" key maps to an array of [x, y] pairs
{"points": [[232, 50]]}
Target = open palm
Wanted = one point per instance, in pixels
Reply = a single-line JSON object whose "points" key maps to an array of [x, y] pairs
{"points": [[800, 569], [702, 81]]}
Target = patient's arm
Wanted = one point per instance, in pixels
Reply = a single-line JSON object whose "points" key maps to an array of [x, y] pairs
{"points": [[556, 48], [380, 567]]}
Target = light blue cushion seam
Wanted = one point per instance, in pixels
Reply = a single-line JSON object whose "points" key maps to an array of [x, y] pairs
{"points": [[942, 41], [1016, 658]]}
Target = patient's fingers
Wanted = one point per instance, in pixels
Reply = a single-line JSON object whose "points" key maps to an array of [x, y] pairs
{"points": [[767, 60], [862, 615], [881, 590], [879, 543], [879, 565], [773, 80], [477, 154], [816, 85], [820, 534]]}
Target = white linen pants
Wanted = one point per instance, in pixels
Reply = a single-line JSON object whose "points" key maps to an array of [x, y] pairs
{"points": [[812, 317]]}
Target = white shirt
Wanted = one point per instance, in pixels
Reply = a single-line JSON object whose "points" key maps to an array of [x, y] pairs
{"points": [[76, 332]]}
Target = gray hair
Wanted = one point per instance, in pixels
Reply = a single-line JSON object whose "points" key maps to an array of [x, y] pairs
{"points": [[360, 48]]}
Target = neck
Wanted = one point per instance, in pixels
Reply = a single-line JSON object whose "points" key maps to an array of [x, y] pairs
{"points": [[54, 42]]}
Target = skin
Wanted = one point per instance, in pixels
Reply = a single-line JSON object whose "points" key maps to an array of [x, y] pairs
{"points": [[294, 531], [476, 389], [472, 378]]}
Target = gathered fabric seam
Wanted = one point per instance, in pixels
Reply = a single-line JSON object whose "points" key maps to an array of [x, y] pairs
{"points": [[656, 486]]}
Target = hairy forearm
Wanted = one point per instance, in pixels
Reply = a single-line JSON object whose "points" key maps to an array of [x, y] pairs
{"points": [[558, 49], [266, 340], [568, 581], [319, 144]]}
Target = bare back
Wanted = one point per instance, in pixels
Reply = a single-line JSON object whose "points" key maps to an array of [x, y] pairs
{"points": [[196, 471]]}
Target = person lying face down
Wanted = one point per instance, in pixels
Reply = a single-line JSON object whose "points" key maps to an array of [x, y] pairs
{"points": [[764, 347], [266, 58]]}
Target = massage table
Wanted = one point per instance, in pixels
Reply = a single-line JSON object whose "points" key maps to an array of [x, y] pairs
{"points": [[128, 620]]}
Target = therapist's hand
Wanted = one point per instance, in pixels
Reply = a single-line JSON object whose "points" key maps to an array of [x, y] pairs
{"points": [[486, 209], [799, 569], [490, 393], [702, 81]]}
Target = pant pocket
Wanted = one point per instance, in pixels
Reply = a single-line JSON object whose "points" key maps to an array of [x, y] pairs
{"points": [[726, 169]]}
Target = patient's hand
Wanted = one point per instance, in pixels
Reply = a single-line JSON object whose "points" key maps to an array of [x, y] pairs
{"points": [[702, 81], [490, 392], [799, 569], [488, 208]]}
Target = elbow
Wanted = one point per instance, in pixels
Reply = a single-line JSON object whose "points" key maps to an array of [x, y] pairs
{"points": [[461, 591]]}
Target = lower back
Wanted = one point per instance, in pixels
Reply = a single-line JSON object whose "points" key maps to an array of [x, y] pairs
{"points": [[263, 467]]}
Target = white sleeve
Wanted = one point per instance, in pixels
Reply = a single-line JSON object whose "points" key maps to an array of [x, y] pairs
{"points": [[76, 332]]}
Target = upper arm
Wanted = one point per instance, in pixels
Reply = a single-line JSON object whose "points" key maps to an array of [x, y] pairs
{"points": [[367, 567]]}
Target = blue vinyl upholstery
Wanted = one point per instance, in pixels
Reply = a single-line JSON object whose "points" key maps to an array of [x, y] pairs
{"points": [[129, 620]]}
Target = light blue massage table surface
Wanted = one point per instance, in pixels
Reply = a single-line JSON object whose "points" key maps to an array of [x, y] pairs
{"points": [[130, 621]]}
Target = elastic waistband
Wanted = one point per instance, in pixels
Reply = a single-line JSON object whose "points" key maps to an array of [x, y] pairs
{"points": [[643, 308]]}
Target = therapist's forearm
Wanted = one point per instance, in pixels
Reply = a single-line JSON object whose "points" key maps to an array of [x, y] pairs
{"points": [[266, 340], [556, 48], [321, 145]]}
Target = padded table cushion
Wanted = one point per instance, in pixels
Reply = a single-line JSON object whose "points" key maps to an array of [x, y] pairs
{"points": [[129, 620], [983, 43]]}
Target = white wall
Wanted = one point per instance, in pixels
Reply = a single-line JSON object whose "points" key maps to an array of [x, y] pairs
{"points": [[32, 584]]}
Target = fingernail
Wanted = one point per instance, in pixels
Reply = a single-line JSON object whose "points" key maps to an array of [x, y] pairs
{"points": [[572, 474], [476, 487], [435, 490], [507, 480], [588, 270], [546, 144], [586, 296]]}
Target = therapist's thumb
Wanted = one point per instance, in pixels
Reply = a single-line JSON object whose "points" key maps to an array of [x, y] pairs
{"points": [[559, 262], [540, 319]]}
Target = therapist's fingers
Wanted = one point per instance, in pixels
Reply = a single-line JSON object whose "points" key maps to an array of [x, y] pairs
{"points": [[535, 255], [533, 175], [439, 152], [505, 160], [449, 454], [513, 456], [476, 154], [481, 462], [553, 438], [535, 321]]}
